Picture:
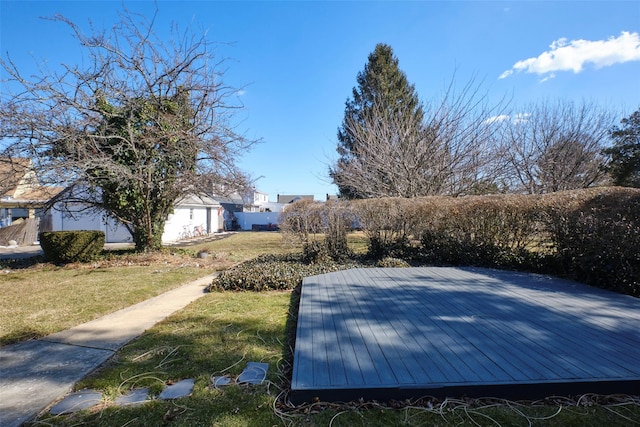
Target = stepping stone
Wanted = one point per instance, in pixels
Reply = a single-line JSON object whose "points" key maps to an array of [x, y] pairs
{"points": [[77, 401], [217, 382], [254, 373], [180, 389], [134, 397]]}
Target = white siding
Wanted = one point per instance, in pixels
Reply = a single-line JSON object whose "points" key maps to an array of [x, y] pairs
{"points": [[114, 231], [246, 220], [184, 218]]}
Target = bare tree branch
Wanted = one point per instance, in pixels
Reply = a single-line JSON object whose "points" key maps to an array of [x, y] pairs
{"points": [[447, 150], [555, 146]]}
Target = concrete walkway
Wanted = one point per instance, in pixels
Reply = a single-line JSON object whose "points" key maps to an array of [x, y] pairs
{"points": [[36, 373]]}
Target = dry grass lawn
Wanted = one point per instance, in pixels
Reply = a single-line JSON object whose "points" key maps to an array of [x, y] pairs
{"points": [[41, 299], [216, 335]]}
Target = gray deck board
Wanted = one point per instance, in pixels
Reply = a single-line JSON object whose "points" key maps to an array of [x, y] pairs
{"points": [[397, 333]]}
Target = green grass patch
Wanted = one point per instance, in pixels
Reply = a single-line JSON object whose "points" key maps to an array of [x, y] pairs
{"points": [[220, 332], [40, 298], [217, 335], [38, 302]]}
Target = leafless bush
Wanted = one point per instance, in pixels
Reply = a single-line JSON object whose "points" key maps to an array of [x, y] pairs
{"points": [[388, 223], [321, 228]]}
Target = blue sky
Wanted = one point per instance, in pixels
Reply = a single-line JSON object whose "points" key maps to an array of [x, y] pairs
{"points": [[297, 61]]}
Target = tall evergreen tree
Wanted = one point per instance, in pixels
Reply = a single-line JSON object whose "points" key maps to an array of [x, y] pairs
{"points": [[384, 93]]}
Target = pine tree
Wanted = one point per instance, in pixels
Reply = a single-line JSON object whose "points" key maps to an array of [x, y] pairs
{"points": [[383, 92]]}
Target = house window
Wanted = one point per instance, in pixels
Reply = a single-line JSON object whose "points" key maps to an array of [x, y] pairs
{"points": [[191, 214]]}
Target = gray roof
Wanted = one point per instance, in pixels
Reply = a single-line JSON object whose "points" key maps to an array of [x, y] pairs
{"points": [[194, 200]]}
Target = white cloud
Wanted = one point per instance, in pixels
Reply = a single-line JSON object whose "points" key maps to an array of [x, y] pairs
{"points": [[575, 54], [548, 77], [506, 74], [521, 118], [497, 119], [516, 119]]}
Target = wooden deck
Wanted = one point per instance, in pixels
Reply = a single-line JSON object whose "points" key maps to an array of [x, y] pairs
{"points": [[397, 333]]}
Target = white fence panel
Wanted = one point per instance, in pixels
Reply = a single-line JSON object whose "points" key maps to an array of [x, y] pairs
{"points": [[260, 220]]}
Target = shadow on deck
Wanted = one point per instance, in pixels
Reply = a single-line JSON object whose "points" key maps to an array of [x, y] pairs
{"points": [[403, 333]]}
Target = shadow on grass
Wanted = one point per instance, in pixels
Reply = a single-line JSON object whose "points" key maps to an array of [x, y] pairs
{"points": [[25, 261], [22, 335], [199, 240], [21, 263], [289, 343], [211, 338], [220, 333]]}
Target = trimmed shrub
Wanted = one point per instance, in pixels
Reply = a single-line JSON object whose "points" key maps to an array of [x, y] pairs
{"points": [[440, 249], [62, 247], [590, 235], [302, 221], [339, 221], [271, 272], [502, 221]]}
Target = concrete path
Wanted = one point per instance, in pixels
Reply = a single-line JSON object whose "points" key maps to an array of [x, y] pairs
{"points": [[20, 252], [36, 373]]}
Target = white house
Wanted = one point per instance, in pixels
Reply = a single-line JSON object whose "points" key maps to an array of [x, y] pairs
{"points": [[192, 215]]}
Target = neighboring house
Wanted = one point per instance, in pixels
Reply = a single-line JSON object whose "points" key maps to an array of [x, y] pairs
{"points": [[258, 221], [21, 195], [255, 201], [251, 211], [193, 215], [259, 202], [284, 198], [272, 207]]}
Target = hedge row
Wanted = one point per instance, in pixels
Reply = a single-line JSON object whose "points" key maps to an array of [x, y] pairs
{"points": [[596, 236], [590, 235]]}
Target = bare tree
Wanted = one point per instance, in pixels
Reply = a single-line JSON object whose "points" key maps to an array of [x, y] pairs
{"points": [[129, 134], [555, 146], [447, 150]]}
